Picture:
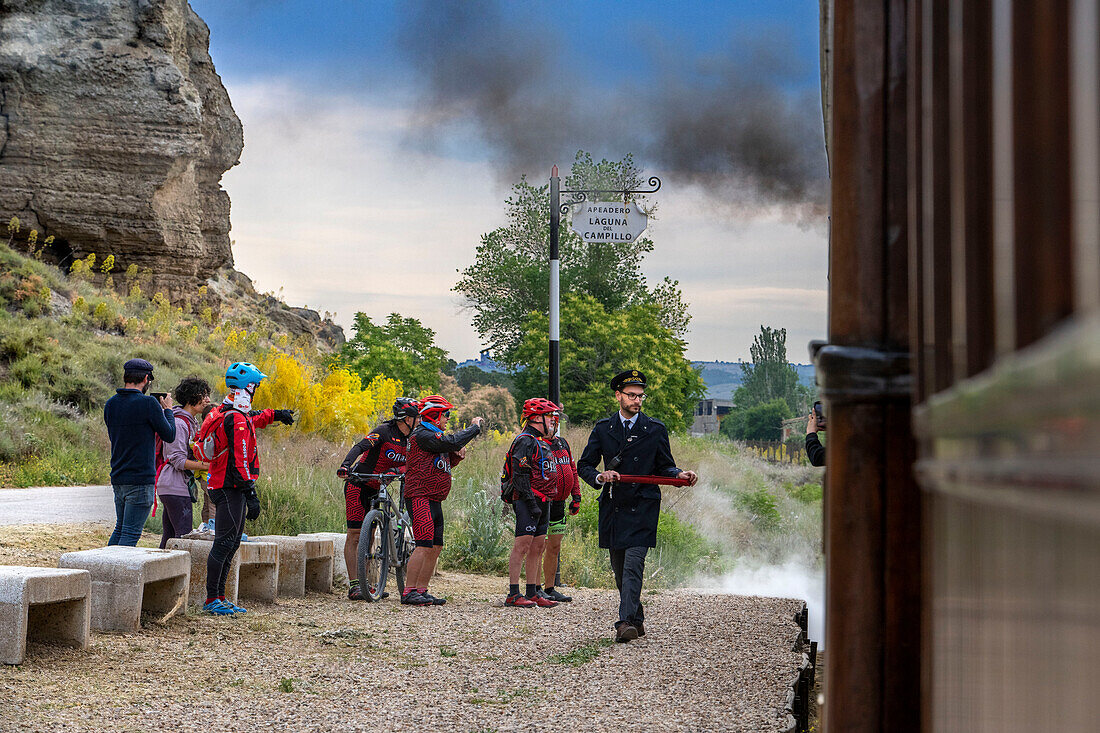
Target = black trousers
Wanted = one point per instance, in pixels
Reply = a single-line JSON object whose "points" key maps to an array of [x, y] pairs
{"points": [[228, 526], [629, 564]]}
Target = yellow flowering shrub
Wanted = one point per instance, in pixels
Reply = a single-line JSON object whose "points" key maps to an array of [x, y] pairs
{"points": [[335, 405]]}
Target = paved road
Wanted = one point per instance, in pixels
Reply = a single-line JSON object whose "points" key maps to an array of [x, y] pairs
{"points": [[57, 505]]}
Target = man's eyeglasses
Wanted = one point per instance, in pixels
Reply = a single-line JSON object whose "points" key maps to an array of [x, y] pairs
{"points": [[635, 395]]}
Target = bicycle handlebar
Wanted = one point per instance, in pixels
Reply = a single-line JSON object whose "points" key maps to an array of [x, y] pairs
{"points": [[381, 477]]}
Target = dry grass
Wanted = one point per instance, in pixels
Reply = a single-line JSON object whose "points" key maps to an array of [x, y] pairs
{"points": [[323, 663]]}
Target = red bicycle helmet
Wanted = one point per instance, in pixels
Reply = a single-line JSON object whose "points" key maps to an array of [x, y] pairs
{"points": [[539, 406], [432, 405]]}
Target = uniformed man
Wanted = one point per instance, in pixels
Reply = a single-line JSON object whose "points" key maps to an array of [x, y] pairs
{"points": [[632, 443]]}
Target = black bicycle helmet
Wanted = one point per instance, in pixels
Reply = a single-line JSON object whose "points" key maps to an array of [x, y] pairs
{"points": [[406, 407]]}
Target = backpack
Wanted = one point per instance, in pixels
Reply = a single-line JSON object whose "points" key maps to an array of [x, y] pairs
{"points": [[206, 440], [507, 489]]}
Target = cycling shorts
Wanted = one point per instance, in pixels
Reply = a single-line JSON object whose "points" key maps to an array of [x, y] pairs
{"points": [[557, 518], [427, 521], [528, 526], [356, 503]]}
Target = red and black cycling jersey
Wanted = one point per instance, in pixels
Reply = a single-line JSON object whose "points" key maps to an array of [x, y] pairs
{"points": [[430, 457], [235, 464], [568, 483], [534, 467], [380, 451]]}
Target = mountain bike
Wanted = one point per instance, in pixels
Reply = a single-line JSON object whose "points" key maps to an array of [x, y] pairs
{"points": [[386, 540]]}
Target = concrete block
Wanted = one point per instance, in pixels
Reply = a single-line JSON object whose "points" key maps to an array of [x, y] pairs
{"points": [[259, 571], [305, 564], [253, 572], [339, 567], [199, 550], [129, 580], [42, 604]]}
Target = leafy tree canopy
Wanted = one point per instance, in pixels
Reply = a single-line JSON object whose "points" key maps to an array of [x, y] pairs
{"points": [[770, 376], [510, 276], [759, 422], [596, 344], [401, 348], [470, 376]]}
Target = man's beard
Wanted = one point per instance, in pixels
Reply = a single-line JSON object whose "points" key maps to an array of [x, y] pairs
{"points": [[145, 389]]}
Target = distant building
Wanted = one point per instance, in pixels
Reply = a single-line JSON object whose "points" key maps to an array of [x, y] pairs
{"points": [[794, 426], [484, 362], [708, 415]]}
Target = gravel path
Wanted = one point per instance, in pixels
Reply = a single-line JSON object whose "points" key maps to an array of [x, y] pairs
{"points": [[323, 663]]}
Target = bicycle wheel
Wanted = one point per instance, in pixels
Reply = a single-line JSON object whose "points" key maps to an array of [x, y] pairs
{"points": [[403, 543], [374, 555]]}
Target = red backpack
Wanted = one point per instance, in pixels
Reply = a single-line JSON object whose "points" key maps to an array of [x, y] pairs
{"points": [[207, 440]]}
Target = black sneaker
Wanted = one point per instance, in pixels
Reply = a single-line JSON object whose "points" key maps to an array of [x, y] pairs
{"points": [[355, 593], [553, 595], [432, 599], [412, 598]]}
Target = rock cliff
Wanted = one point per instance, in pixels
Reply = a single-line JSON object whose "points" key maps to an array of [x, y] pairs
{"points": [[115, 131]]}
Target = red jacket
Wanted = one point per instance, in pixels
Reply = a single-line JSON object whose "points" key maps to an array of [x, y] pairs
{"points": [[567, 471], [235, 464], [534, 468], [381, 451], [430, 457]]}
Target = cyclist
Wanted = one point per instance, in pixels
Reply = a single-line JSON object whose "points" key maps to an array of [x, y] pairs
{"points": [[534, 479], [430, 458], [568, 490], [234, 468], [381, 451]]}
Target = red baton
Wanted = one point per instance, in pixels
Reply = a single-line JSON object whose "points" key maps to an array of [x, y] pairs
{"points": [[666, 480]]}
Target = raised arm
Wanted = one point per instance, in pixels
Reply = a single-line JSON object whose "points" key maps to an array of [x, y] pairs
{"points": [[163, 421], [449, 443]]}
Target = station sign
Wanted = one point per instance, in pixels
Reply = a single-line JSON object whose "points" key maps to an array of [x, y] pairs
{"points": [[609, 221]]}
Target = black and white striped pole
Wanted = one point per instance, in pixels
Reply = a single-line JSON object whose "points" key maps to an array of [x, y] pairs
{"points": [[580, 196], [555, 224]]}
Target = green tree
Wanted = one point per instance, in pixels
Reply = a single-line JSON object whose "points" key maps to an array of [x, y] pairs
{"points": [[510, 275], [470, 376], [770, 376], [596, 344], [401, 348], [759, 422]]}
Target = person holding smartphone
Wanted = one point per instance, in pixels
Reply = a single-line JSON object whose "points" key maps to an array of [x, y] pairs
{"points": [[815, 451], [134, 420]]}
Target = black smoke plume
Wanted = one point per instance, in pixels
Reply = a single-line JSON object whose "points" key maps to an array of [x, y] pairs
{"points": [[742, 126]]}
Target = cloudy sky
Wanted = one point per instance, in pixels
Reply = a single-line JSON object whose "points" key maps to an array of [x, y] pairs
{"points": [[381, 139]]}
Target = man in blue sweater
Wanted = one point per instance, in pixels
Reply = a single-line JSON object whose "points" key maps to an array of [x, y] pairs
{"points": [[133, 422]]}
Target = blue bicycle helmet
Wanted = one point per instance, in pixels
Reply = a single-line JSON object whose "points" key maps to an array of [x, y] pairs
{"points": [[241, 374]]}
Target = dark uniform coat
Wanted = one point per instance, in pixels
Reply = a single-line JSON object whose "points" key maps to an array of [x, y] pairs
{"points": [[628, 512]]}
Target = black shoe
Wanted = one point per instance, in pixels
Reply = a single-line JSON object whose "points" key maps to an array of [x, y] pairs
{"points": [[553, 595], [641, 628], [432, 599], [355, 593], [625, 631], [412, 598]]}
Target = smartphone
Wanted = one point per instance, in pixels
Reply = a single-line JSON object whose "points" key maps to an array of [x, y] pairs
{"points": [[819, 413], [159, 395]]}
